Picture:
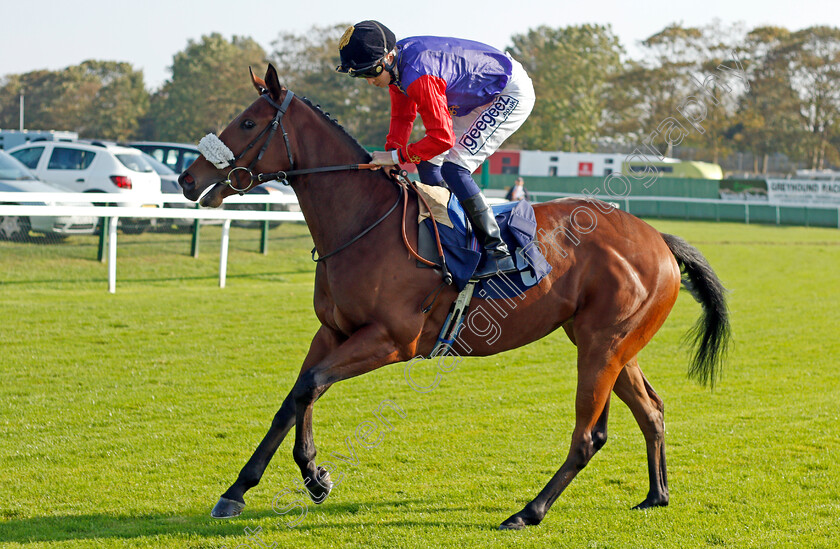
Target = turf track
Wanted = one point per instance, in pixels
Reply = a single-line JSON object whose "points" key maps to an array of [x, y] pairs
{"points": [[123, 417]]}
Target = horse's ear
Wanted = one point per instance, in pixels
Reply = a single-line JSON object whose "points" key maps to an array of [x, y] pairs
{"points": [[259, 83], [272, 82]]}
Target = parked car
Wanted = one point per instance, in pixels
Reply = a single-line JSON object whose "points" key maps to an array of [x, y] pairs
{"points": [[271, 188], [177, 156], [169, 185], [168, 177], [96, 166], [15, 177]]}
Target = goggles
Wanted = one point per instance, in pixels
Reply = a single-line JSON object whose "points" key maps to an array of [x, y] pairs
{"points": [[367, 72]]}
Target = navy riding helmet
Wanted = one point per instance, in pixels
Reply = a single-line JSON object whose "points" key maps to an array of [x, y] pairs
{"points": [[362, 48]]}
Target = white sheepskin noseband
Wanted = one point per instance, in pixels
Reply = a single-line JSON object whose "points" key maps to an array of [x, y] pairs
{"points": [[215, 151]]}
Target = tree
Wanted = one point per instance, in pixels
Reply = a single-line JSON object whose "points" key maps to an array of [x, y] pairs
{"points": [[570, 68], [719, 97], [306, 64], [768, 118], [208, 88], [97, 99], [640, 98], [812, 56], [649, 90], [120, 100], [662, 84], [36, 86]]}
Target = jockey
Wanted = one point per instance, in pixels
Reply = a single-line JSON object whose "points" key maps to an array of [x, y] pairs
{"points": [[470, 96]]}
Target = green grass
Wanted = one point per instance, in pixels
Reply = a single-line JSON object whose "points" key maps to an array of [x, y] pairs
{"points": [[123, 417]]}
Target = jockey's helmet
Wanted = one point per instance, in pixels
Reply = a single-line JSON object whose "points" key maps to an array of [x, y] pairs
{"points": [[362, 48]]}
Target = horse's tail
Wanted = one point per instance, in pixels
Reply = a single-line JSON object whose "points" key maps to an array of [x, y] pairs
{"points": [[710, 335]]}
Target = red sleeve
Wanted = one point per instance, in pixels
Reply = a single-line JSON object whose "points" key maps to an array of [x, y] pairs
{"points": [[428, 94], [403, 113]]}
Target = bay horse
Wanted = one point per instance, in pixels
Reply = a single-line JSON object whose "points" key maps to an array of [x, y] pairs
{"points": [[610, 291]]}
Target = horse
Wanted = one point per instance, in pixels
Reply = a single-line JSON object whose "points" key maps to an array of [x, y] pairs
{"points": [[610, 289]]}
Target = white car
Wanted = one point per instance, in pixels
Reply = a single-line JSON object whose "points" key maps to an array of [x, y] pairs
{"points": [[274, 190], [177, 156], [95, 167], [15, 177], [169, 186]]}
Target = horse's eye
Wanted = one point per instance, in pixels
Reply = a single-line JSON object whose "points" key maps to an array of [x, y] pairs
{"points": [[248, 124]]}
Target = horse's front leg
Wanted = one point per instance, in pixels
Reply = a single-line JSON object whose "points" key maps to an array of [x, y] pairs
{"points": [[367, 349], [232, 501]]}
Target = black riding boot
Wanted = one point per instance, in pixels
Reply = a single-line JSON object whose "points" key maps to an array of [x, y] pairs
{"points": [[485, 227]]}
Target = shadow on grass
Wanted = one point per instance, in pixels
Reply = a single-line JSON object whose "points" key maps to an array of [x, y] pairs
{"points": [[38, 239], [142, 279], [105, 526], [81, 527], [242, 276]]}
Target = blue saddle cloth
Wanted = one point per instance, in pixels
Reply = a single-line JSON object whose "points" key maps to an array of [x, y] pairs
{"points": [[464, 252]]}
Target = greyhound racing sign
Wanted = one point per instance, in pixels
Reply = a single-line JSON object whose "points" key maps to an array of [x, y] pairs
{"points": [[803, 191]]}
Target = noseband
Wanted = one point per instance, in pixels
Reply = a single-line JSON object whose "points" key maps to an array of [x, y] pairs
{"points": [[218, 154]]}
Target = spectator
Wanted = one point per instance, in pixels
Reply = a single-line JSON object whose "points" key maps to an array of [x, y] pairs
{"points": [[518, 191]]}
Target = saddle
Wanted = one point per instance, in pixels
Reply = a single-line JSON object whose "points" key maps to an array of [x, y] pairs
{"points": [[441, 214], [464, 253]]}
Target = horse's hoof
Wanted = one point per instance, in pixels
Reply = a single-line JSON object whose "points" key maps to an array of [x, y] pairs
{"points": [[513, 523], [320, 486], [227, 508], [519, 521], [652, 502]]}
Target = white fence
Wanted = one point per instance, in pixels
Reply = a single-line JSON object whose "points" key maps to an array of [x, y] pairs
{"points": [[10, 206]]}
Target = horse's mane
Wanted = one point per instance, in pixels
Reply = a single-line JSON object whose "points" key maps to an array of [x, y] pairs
{"points": [[334, 122]]}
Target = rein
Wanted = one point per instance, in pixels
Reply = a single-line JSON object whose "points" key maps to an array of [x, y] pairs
{"points": [[399, 177], [401, 180], [361, 234], [283, 176]]}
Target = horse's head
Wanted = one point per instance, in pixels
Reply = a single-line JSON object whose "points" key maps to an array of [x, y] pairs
{"points": [[230, 161]]}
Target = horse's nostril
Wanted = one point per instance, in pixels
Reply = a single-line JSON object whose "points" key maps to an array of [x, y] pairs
{"points": [[186, 180]]}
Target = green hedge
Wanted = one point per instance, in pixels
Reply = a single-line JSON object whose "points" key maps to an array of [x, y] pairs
{"points": [[725, 211], [663, 186], [677, 188]]}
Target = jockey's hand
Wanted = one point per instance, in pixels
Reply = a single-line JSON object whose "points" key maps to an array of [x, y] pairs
{"points": [[383, 158]]}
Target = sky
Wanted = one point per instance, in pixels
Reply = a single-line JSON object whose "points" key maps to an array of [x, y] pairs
{"points": [[53, 34]]}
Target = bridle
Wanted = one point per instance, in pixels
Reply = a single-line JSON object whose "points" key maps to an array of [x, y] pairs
{"points": [[269, 132], [229, 160]]}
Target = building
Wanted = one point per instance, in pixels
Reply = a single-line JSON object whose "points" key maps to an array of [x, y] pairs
{"points": [[568, 164]]}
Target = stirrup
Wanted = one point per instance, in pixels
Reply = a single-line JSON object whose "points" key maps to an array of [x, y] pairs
{"points": [[454, 321], [496, 265]]}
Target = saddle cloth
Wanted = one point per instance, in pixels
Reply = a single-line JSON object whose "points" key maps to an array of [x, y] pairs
{"points": [[464, 253]]}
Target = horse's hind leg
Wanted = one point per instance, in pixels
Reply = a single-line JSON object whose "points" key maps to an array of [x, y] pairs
{"points": [[598, 369], [648, 409]]}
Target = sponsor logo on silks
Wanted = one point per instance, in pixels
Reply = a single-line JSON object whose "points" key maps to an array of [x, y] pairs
{"points": [[486, 124]]}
